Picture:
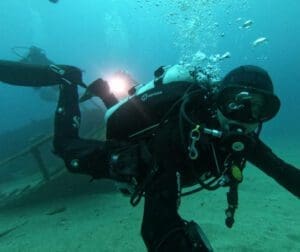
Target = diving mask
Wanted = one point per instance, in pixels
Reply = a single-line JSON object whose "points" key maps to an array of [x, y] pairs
{"points": [[247, 105]]}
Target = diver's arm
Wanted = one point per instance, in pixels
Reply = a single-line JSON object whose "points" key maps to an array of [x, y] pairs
{"points": [[285, 174]]}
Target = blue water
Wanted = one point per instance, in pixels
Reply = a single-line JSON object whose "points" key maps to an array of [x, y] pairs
{"points": [[102, 36], [139, 36]]}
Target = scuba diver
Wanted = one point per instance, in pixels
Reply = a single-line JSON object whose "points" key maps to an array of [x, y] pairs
{"points": [[36, 55], [179, 130]]}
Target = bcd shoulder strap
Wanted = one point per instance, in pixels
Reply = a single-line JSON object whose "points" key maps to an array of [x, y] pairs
{"points": [[159, 74]]}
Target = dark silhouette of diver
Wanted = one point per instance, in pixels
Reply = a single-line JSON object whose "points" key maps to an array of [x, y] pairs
{"points": [[176, 131], [36, 55], [33, 55]]}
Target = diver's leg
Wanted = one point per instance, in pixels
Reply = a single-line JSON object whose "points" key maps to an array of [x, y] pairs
{"points": [[67, 116], [80, 155], [163, 229]]}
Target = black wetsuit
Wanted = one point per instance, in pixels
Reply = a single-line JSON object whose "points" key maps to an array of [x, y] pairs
{"points": [[162, 226]]}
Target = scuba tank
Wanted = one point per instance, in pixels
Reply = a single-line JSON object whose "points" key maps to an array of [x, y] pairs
{"points": [[141, 114], [149, 103]]}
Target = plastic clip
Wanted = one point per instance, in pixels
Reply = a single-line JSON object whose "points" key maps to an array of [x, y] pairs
{"points": [[195, 136]]}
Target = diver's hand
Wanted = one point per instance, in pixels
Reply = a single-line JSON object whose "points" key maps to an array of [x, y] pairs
{"points": [[238, 142], [98, 88]]}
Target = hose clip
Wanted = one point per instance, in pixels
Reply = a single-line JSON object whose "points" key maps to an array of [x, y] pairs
{"points": [[194, 136]]}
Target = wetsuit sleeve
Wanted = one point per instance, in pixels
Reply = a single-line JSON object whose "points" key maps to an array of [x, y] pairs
{"points": [[80, 155], [283, 173]]}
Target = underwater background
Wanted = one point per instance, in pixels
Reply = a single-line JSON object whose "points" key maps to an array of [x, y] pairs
{"points": [[103, 36]]}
